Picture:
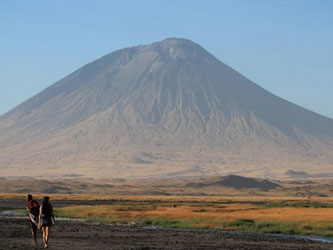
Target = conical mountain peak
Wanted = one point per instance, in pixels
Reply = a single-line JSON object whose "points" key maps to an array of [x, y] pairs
{"points": [[169, 105], [180, 43], [171, 48]]}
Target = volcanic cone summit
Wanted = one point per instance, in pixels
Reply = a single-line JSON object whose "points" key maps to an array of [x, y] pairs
{"points": [[165, 109]]}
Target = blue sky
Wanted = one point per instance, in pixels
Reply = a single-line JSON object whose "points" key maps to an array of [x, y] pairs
{"points": [[284, 46]]}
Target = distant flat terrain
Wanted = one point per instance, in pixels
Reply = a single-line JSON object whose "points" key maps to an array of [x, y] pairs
{"points": [[230, 185]]}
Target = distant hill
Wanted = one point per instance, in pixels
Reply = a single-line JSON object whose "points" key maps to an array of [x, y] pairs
{"points": [[222, 185], [297, 174], [167, 109], [236, 182], [304, 175]]}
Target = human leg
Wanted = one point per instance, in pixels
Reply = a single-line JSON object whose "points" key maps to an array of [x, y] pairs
{"points": [[44, 236], [33, 232], [47, 232]]}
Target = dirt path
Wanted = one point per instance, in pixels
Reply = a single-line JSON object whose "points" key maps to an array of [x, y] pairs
{"points": [[14, 234]]}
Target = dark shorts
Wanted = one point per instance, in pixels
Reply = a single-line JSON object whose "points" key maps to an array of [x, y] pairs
{"points": [[46, 222]]}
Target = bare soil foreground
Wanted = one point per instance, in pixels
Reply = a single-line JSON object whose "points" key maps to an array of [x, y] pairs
{"points": [[14, 234], [74, 234]]}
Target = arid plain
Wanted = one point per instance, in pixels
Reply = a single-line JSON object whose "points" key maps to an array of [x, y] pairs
{"points": [[230, 212]]}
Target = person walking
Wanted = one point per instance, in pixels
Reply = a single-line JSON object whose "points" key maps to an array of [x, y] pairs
{"points": [[46, 219], [33, 208]]}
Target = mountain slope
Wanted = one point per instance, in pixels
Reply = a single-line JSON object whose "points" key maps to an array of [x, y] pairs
{"points": [[168, 108]]}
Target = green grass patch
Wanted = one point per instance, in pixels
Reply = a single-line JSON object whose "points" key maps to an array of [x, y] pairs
{"points": [[22, 211], [298, 205], [249, 225], [281, 227], [170, 223]]}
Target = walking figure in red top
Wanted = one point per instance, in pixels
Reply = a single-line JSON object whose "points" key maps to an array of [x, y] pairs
{"points": [[33, 208]]}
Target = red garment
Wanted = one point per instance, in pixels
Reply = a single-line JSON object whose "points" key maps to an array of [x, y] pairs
{"points": [[32, 204]]}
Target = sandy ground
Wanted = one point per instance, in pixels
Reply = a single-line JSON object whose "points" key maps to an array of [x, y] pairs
{"points": [[72, 235]]}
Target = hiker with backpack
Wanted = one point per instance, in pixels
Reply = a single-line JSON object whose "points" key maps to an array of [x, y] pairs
{"points": [[33, 208], [46, 219]]}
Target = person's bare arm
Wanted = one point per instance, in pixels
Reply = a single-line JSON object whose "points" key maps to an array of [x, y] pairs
{"points": [[40, 217], [52, 215]]}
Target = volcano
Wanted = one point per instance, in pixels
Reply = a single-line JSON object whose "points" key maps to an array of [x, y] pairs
{"points": [[167, 109]]}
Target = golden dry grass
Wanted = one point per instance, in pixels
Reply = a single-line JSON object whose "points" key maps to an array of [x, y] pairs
{"points": [[227, 212], [231, 216]]}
